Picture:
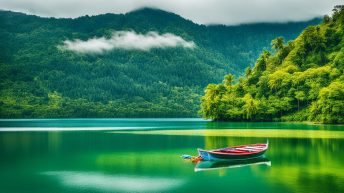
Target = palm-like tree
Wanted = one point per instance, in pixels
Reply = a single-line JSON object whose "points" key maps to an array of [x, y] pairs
{"points": [[277, 43]]}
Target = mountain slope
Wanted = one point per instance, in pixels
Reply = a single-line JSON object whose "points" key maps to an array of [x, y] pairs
{"points": [[301, 81], [40, 80]]}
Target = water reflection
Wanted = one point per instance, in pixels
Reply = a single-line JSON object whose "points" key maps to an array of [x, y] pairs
{"points": [[216, 165], [163, 123], [93, 181], [98, 161], [302, 165]]}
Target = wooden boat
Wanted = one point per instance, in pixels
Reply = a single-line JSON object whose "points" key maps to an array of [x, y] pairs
{"points": [[241, 152], [215, 165]]}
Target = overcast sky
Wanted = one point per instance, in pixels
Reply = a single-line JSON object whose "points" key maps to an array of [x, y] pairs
{"points": [[200, 11]]}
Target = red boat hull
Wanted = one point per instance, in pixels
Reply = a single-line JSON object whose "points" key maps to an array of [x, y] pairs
{"points": [[241, 152]]}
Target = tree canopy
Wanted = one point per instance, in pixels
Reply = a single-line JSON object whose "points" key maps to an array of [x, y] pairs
{"points": [[37, 79], [302, 80]]}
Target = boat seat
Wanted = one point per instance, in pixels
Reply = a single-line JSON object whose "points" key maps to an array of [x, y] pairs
{"points": [[248, 149], [254, 147]]}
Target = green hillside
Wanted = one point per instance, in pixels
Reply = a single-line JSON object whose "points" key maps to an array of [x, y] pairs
{"points": [[301, 80], [39, 80]]}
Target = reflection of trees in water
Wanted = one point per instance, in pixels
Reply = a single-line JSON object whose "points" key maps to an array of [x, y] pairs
{"points": [[314, 164], [219, 142], [19, 143], [270, 125]]}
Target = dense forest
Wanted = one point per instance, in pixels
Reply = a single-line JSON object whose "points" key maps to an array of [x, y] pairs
{"points": [[39, 80], [301, 80]]}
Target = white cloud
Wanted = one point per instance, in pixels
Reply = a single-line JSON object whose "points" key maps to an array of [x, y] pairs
{"points": [[127, 40], [200, 11]]}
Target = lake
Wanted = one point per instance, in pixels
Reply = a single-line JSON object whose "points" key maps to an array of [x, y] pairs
{"points": [[143, 155]]}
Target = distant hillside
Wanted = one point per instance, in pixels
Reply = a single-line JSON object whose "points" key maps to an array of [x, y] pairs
{"points": [[301, 80], [38, 79]]}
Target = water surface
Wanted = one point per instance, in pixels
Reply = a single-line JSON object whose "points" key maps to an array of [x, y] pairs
{"points": [[142, 155]]}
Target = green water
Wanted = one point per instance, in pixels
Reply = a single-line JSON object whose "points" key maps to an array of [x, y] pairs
{"points": [[84, 155]]}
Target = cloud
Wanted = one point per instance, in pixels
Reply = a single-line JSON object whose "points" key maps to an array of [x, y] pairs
{"points": [[127, 40], [200, 11]]}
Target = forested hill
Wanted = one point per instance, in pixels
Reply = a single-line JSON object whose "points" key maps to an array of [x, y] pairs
{"points": [[301, 80], [40, 79]]}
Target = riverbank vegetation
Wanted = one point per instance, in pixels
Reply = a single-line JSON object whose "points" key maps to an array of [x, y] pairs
{"points": [[301, 80]]}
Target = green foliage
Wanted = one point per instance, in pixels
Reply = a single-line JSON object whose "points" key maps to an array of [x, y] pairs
{"points": [[302, 81], [277, 43], [37, 79], [329, 108]]}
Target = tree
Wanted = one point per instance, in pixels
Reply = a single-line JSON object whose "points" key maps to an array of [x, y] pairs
{"points": [[277, 79], [248, 71], [329, 108], [326, 19], [250, 107], [211, 101], [300, 96], [228, 80], [277, 43], [262, 61], [307, 74]]}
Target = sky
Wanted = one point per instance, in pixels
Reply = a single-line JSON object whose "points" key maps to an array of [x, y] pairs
{"points": [[228, 12]]}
